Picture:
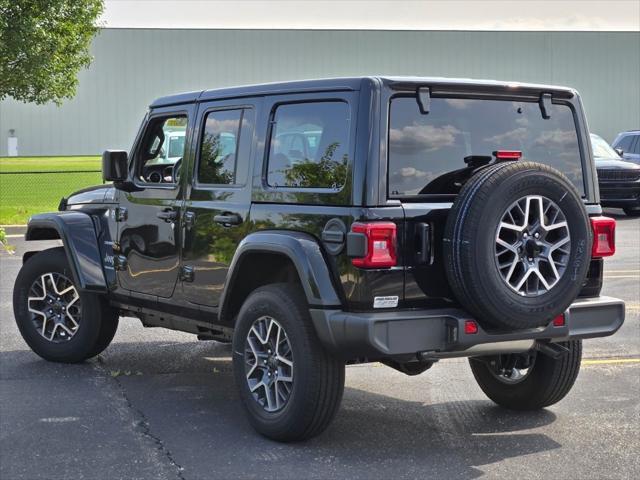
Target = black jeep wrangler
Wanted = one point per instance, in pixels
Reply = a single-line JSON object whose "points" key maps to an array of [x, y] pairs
{"points": [[319, 223]]}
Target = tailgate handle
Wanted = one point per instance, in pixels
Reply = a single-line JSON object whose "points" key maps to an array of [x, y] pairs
{"points": [[423, 240]]}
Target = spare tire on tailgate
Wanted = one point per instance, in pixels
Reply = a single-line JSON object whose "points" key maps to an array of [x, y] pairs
{"points": [[517, 245]]}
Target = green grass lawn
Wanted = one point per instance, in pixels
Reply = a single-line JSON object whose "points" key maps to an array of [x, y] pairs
{"points": [[23, 194]]}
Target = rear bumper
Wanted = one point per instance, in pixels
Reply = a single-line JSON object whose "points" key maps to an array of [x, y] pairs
{"points": [[440, 333]]}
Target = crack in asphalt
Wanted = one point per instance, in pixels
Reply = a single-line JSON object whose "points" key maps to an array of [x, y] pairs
{"points": [[141, 423]]}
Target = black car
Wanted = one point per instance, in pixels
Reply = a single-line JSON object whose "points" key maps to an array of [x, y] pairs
{"points": [[619, 181], [321, 223]]}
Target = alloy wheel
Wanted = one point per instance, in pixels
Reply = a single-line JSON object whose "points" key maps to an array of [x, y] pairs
{"points": [[55, 307], [269, 364], [532, 245]]}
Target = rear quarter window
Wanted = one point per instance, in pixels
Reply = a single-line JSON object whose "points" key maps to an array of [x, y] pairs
{"points": [[429, 152], [309, 145]]}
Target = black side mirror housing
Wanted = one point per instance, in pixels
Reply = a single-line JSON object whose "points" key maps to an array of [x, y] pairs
{"points": [[115, 165], [619, 151]]}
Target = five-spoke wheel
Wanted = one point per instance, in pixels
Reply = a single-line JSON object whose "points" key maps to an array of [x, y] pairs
{"points": [[58, 320], [55, 307], [269, 364]]}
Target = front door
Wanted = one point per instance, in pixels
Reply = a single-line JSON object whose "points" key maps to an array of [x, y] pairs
{"points": [[216, 209], [149, 218]]}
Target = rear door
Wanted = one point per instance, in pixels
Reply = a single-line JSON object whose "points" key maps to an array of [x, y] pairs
{"points": [[430, 157], [216, 211]]}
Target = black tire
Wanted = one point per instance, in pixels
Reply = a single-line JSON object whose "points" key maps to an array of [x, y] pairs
{"points": [[97, 322], [632, 211], [548, 381], [108, 328], [470, 245], [318, 378]]}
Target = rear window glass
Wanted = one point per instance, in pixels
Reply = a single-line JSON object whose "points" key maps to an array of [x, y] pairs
{"points": [[309, 145], [428, 154]]}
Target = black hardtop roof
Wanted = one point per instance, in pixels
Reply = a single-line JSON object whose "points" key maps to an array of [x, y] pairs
{"points": [[342, 84]]}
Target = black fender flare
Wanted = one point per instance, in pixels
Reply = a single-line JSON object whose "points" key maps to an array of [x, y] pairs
{"points": [[78, 234], [304, 252]]}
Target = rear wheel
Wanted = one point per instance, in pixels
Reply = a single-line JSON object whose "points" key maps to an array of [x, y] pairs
{"points": [[528, 381], [290, 386], [58, 321]]}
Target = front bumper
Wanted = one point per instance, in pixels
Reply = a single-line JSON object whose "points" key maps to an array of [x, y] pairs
{"points": [[440, 333], [620, 194]]}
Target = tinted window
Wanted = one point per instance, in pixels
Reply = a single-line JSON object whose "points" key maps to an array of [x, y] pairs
{"points": [[625, 143], [635, 146], [427, 153], [309, 145], [225, 147], [161, 149]]}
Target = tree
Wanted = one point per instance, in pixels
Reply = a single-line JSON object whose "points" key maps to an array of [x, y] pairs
{"points": [[43, 45]]}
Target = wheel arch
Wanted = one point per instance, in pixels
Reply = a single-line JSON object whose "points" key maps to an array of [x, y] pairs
{"points": [[78, 235], [276, 256]]}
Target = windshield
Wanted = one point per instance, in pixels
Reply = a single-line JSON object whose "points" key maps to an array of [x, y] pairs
{"points": [[601, 149], [430, 153]]}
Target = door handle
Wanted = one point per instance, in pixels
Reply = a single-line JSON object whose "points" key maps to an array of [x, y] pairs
{"points": [[228, 219], [168, 215]]}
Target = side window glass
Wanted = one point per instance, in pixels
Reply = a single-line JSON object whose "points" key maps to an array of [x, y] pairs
{"points": [[160, 154], [309, 145], [635, 146], [225, 146]]}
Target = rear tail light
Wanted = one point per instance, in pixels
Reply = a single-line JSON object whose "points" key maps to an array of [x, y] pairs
{"points": [[380, 245], [470, 327], [507, 154], [559, 321], [604, 236]]}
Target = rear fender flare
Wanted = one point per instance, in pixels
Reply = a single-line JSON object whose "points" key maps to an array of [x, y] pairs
{"points": [[304, 252]]}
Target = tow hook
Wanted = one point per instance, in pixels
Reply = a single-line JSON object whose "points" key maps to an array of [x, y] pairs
{"points": [[553, 350]]}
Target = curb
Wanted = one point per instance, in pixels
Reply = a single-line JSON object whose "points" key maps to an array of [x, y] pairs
{"points": [[11, 230]]}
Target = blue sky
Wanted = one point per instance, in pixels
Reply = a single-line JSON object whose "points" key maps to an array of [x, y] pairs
{"points": [[615, 15]]}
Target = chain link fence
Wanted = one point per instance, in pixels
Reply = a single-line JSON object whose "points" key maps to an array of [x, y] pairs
{"points": [[24, 193]]}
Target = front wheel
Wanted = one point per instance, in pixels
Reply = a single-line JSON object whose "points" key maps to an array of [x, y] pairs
{"points": [[290, 386], [528, 381], [57, 320]]}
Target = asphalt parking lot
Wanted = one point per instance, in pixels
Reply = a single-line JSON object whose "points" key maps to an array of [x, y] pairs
{"points": [[160, 404]]}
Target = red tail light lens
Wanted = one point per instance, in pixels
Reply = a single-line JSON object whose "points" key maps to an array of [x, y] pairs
{"points": [[559, 321], [508, 154], [470, 327], [381, 244], [604, 236]]}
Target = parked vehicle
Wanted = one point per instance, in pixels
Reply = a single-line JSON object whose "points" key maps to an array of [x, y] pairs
{"points": [[619, 181], [400, 220], [628, 143]]}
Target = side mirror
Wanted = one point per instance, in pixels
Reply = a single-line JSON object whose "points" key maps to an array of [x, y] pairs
{"points": [[619, 151], [115, 166]]}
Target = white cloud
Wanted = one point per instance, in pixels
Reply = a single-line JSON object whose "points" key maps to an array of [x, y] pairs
{"points": [[516, 135], [415, 138]]}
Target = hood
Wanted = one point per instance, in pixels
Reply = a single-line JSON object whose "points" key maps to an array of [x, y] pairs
{"points": [[96, 194], [615, 164]]}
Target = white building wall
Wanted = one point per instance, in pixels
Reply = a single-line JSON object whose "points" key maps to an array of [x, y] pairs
{"points": [[134, 66]]}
